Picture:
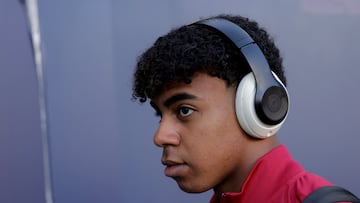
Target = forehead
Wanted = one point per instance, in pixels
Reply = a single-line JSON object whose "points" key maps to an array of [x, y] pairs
{"points": [[202, 86]]}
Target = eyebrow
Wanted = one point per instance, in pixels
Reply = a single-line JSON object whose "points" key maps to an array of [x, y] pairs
{"points": [[178, 97], [173, 99]]}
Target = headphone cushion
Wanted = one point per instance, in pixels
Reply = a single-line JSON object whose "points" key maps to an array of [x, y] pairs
{"points": [[246, 113]]}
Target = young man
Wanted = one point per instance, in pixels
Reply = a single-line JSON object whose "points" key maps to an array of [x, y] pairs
{"points": [[221, 98]]}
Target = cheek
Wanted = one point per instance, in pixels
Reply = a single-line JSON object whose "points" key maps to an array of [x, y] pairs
{"points": [[209, 166], [217, 151], [212, 149], [213, 137]]}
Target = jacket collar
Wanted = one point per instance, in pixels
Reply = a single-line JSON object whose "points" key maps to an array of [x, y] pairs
{"points": [[269, 173]]}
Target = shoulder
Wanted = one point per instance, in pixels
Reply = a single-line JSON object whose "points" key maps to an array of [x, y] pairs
{"points": [[307, 183], [297, 189]]}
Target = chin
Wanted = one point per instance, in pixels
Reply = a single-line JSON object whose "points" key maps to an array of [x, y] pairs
{"points": [[191, 188]]}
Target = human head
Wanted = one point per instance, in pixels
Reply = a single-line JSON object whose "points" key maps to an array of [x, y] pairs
{"points": [[186, 50], [209, 146]]}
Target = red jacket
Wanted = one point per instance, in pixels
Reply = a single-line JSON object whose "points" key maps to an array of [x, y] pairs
{"points": [[277, 178]]}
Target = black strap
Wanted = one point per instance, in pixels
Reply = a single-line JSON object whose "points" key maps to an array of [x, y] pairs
{"points": [[331, 194]]}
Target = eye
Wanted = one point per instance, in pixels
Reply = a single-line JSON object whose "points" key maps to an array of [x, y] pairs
{"points": [[185, 111]]}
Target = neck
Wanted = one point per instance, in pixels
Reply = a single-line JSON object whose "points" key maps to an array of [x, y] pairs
{"points": [[254, 151]]}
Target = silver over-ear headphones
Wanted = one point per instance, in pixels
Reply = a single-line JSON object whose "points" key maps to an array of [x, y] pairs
{"points": [[262, 101]]}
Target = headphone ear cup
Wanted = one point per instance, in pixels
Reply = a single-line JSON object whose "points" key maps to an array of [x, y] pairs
{"points": [[246, 113]]}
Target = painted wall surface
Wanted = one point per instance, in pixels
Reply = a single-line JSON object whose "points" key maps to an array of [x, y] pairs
{"points": [[21, 163], [101, 141]]}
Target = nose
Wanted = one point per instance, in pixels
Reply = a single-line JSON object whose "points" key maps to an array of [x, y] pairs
{"points": [[166, 134]]}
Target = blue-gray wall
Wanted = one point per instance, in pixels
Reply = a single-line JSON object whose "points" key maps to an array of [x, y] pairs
{"points": [[21, 166], [101, 141]]}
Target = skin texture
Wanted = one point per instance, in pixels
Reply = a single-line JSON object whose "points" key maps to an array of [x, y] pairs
{"points": [[203, 145]]}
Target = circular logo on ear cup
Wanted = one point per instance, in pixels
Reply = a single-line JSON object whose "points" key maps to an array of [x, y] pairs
{"points": [[275, 104]]}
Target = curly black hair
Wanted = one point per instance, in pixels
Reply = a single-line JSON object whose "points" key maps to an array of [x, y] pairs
{"points": [[176, 56]]}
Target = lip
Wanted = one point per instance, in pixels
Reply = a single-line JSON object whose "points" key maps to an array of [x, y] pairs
{"points": [[174, 169]]}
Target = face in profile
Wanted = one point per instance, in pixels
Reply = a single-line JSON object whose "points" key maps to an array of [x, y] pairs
{"points": [[202, 141]]}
